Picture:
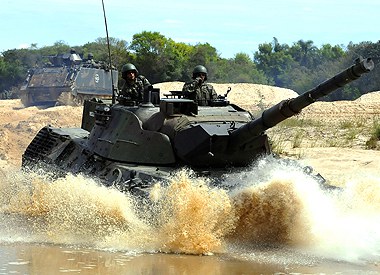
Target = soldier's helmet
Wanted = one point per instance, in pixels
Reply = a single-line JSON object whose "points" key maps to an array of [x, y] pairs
{"points": [[90, 56], [198, 70], [129, 67]]}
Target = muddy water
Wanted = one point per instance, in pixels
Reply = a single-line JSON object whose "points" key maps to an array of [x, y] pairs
{"points": [[276, 220]]}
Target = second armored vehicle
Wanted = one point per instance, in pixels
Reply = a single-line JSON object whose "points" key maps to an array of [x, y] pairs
{"points": [[67, 80]]}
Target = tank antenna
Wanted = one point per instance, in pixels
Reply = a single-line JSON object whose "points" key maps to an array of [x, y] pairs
{"points": [[109, 53]]}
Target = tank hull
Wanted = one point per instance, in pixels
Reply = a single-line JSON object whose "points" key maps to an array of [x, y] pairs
{"points": [[59, 151]]}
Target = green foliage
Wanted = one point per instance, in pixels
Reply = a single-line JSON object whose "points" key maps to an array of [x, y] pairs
{"points": [[369, 82], [99, 48], [240, 69], [274, 60], [300, 66], [59, 47], [374, 140], [168, 56], [376, 130], [329, 52], [297, 140], [13, 67]]}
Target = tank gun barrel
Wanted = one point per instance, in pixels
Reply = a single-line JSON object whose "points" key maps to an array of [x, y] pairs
{"points": [[290, 107]]}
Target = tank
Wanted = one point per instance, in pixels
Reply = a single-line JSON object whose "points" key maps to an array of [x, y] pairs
{"points": [[131, 147], [67, 79]]}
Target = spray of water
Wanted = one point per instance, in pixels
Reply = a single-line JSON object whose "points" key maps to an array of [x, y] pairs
{"points": [[271, 204], [280, 205], [193, 217]]}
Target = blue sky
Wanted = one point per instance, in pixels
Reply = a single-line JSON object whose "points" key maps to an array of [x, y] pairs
{"points": [[229, 26]]}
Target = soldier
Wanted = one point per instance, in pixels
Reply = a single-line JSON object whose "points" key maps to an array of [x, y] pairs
{"points": [[90, 56], [134, 84], [90, 62], [198, 90]]}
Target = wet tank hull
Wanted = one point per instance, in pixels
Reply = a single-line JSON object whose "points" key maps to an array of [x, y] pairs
{"points": [[59, 151]]}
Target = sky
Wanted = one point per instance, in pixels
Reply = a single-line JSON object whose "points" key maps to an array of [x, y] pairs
{"points": [[235, 26]]}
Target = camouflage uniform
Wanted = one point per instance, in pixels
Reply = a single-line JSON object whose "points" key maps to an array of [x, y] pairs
{"points": [[134, 91], [199, 91]]}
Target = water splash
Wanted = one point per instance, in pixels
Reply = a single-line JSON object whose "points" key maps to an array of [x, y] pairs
{"points": [[280, 205], [193, 217], [186, 217], [272, 203]]}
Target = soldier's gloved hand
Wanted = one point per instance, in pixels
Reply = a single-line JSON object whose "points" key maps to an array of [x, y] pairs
{"points": [[198, 81]]}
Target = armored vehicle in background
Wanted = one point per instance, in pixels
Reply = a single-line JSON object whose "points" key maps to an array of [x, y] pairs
{"points": [[67, 79], [130, 145]]}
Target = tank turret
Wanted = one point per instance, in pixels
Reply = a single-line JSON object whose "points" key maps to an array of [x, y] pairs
{"points": [[129, 145]]}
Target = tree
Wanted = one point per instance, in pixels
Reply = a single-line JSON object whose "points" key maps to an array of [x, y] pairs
{"points": [[159, 58], [274, 60], [201, 54], [118, 48], [304, 52], [368, 82], [149, 49], [329, 52], [12, 73], [299, 67], [240, 69]]}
